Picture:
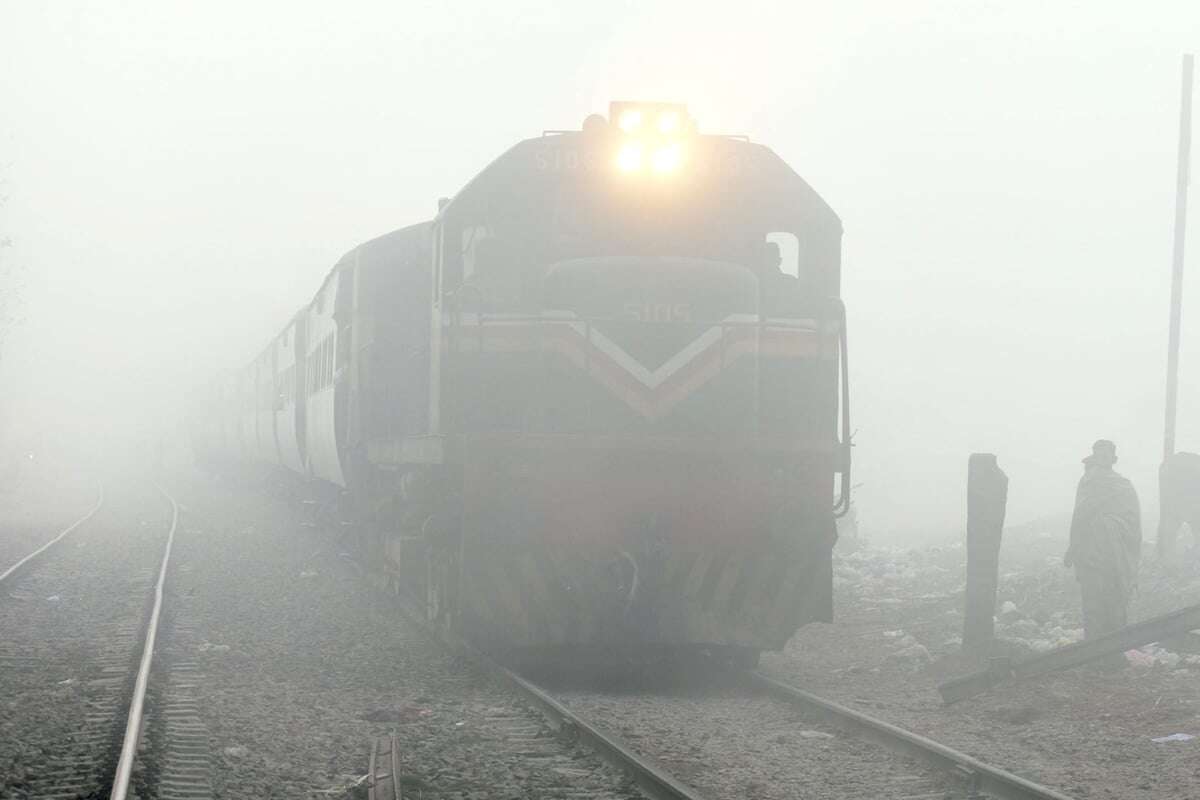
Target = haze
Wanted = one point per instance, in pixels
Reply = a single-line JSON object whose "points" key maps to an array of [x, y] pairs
{"points": [[179, 179]]}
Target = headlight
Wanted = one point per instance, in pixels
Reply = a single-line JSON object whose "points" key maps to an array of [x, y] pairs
{"points": [[653, 136], [630, 120]]}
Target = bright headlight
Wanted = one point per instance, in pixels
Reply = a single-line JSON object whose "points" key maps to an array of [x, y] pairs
{"points": [[629, 157], [651, 137], [630, 120]]}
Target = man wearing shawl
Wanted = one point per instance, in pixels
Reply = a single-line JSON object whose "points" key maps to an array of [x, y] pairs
{"points": [[1106, 541]]}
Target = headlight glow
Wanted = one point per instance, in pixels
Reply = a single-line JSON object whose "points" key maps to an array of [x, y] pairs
{"points": [[651, 138], [630, 120], [668, 158], [629, 157]]}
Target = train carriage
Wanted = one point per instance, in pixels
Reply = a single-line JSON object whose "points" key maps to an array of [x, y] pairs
{"points": [[288, 395], [266, 446], [323, 383], [247, 414]]}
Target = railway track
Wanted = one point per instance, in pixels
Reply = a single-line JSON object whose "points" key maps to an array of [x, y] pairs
{"points": [[978, 778], [15, 569], [896, 763], [80, 627]]}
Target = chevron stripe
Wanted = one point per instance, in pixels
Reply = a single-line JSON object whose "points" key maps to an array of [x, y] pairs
{"points": [[652, 393]]}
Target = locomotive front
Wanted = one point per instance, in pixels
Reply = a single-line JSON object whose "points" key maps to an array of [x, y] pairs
{"points": [[637, 364]]}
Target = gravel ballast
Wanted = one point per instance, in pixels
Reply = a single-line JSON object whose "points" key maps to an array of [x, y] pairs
{"points": [[72, 626], [299, 665], [1086, 732], [730, 743]]}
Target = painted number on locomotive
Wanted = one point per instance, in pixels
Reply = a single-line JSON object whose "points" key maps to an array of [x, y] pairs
{"points": [[659, 312]]}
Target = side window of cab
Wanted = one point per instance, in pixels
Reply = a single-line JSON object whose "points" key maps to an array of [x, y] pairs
{"points": [[784, 247]]}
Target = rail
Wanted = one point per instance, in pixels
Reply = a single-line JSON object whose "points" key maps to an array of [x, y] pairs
{"points": [[978, 776], [133, 724], [16, 568], [650, 778]]}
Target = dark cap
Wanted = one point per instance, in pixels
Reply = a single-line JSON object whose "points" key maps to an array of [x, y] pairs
{"points": [[1103, 452]]}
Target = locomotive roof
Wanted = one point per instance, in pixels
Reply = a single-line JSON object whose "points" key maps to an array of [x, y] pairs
{"points": [[764, 174]]}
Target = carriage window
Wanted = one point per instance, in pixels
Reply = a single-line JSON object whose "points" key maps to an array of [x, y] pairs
{"points": [[789, 251]]}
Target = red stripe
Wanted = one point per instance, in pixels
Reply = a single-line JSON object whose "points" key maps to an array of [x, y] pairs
{"points": [[562, 338]]}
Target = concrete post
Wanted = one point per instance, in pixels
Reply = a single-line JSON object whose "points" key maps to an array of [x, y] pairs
{"points": [[987, 498]]}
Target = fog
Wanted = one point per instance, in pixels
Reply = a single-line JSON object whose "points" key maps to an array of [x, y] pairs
{"points": [[179, 181]]}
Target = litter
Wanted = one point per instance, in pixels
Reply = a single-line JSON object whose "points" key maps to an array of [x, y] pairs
{"points": [[1153, 656], [346, 787], [1174, 737], [815, 735]]}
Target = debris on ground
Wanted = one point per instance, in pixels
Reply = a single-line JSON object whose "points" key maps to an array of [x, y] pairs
{"points": [[236, 751]]}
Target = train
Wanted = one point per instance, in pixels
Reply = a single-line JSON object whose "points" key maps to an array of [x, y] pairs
{"points": [[600, 401]]}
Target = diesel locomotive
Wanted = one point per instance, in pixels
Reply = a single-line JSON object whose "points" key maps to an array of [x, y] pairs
{"points": [[599, 400]]}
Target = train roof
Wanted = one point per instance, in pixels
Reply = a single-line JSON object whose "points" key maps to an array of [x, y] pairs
{"points": [[732, 164]]}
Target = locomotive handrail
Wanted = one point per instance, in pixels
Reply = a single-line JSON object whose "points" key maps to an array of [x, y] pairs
{"points": [[462, 318], [842, 507]]}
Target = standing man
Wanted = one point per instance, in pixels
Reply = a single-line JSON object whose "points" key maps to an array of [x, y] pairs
{"points": [[1106, 541]]}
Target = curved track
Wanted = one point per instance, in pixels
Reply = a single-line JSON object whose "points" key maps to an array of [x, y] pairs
{"points": [[80, 628], [11, 573]]}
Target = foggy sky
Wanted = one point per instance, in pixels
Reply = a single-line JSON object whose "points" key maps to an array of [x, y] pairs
{"points": [[181, 177]]}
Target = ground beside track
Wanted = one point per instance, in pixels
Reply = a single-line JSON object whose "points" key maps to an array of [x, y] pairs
{"points": [[1084, 732], [298, 664], [38, 501]]}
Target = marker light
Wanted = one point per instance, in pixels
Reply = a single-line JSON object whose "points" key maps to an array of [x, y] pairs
{"points": [[629, 157], [667, 158], [630, 120]]}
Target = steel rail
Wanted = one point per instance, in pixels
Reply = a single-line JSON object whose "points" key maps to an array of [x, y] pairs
{"points": [[978, 776], [133, 724], [649, 777], [15, 568]]}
